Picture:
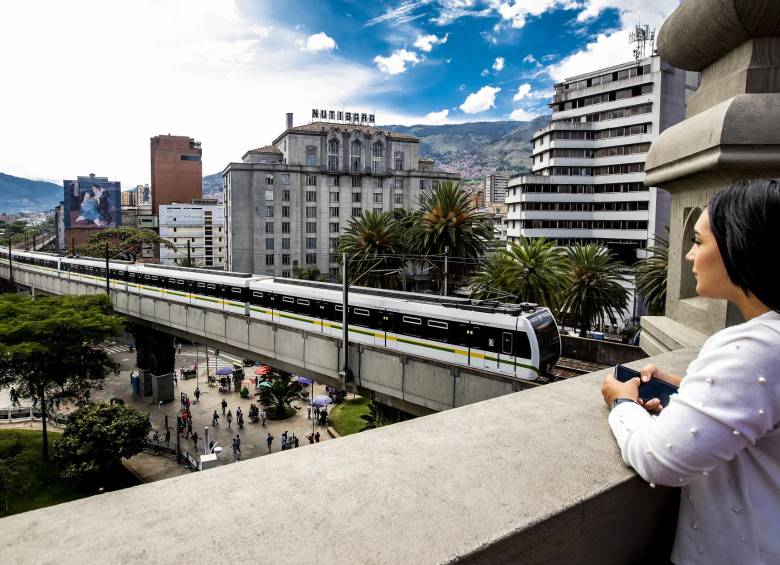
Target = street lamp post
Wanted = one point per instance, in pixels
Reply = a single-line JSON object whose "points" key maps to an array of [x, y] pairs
{"points": [[108, 279], [344, 320]]}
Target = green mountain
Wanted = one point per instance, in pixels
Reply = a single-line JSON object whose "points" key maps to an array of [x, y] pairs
{"points": [[477, 148], [25, 195]]}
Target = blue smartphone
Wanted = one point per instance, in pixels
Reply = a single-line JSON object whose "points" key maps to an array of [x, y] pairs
{"points": [[654, 388]]}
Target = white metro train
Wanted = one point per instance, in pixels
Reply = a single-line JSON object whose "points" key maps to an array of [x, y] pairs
{"points": [[515, 340]]}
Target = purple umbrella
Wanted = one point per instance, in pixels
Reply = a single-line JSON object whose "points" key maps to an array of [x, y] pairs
{"points": [[305, 381], [224, 371], [321, 401]]}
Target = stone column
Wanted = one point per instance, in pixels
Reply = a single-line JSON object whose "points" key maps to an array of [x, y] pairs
{"points": [[156, 352], [731, 132]]}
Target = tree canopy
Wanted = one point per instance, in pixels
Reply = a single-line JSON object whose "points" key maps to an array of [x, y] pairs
{"points": [[281, 393], [46, 346], [123, 243], [98, 436], [651, 276], [374, 243]]}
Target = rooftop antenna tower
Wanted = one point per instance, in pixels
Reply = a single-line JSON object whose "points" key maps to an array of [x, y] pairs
{"points": [[641, 35]]}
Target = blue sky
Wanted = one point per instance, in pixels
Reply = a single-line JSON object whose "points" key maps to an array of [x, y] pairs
{"points": [[90, 81]]}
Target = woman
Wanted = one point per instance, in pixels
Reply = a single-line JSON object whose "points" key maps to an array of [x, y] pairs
{"points": [[719, 437]]}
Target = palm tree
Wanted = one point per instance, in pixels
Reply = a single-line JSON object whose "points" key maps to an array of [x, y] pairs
{"points": [[447, 222], [651, 274], [375, 249], [594, 292], [188, 262], [282, 392], [531, 270]]}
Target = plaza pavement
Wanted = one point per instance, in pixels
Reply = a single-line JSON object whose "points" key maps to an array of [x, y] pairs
{"points": [[253, 436]]}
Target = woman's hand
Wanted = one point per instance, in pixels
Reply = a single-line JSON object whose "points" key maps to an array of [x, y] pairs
{"points": [[612, 389], [651, 371]]}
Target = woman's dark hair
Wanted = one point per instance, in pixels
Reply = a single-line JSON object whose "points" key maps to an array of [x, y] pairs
{"points": [[745, 220]]}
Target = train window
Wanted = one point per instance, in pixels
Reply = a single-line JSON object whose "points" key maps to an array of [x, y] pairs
{"points": [[201, 285], [412, 320], [506, 343], [257, 294], [361, 312], [522, 345], [288, 299], [303, 301], [180, 281], [154, 278], [437, 325], [236, 289], [211, 286], [338, 308]]}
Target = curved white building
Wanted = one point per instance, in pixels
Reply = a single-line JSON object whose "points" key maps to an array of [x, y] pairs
{"points": [[588, 161]]}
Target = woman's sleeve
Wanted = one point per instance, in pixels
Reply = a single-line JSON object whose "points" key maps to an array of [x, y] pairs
{"points": [[726, 403]]}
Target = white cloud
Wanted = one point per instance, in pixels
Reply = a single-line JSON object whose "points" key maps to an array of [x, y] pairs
{"points": [[498, 64], [395, 64], [483, 99], [427, 42], [436, 118], [319, 42], [613, 48], [522, 91], [522, 115], [530, 59], [206, 70], [516, 11], [484, 73]]}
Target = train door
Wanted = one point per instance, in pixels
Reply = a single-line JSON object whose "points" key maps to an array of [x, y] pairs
{"points": [[386, 325], [506, 355], [476, 349], [491, 343]]}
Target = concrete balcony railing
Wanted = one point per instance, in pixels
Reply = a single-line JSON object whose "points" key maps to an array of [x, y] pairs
{"points": [[531, 477]]}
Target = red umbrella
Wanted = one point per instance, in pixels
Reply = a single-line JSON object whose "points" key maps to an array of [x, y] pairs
{"points": [[263, 370]]}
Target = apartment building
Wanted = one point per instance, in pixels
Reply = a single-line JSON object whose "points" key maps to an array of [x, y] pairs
{"points": [[494, 188], [197, 229], [588, 161], [287, 203]]}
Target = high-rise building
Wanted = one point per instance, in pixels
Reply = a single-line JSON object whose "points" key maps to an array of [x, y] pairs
{"points": [[130, 198], [287, 203], [588, 161], [494, 187], [196, 230], [177, 171]]}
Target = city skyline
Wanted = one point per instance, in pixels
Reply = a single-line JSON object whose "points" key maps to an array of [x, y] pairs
{"points": [[102, 78]]}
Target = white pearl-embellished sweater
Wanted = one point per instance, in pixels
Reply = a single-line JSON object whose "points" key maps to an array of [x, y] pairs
{"points": [[718, 439]]}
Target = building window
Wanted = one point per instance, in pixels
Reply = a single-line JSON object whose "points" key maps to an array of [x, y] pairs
{"points": [[398, 198], [311, 180], [333, 155], [285, 211], [435, 185], [333, 243], [285, 258], [311, 258], [285, 227], [377, 150], [269, 211], [357, 197], [399, 161], [334, 196], [285, 195], [423, 184], [378, 198], [334, 211], [285, 178], [355, 149], [356, 212], [269, 259], [334, 227], [269, 227], [311, 243], [335, 181], [269, 243], [357, 182], [311, 227], [286, 274], [311, 156], [269, 194], [285, 243], [311, 196], [311, 211], [269, 179], [398, 183]]}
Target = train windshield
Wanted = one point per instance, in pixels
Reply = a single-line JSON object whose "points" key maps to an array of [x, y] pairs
{"points": [[547, 336]]}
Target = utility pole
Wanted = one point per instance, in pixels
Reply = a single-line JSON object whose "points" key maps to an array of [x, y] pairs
{"points": [[345, 324], [189, 257], [108, 280], [446, 272]]}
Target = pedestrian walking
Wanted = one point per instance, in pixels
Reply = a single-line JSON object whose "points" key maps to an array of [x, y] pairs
{"points": [[269, 441], [168, 435], [241, 420], [295, 440], [308, 412], [211, 446], [178, 347], [237, 444], [310, 437], [229, 418], [197, 395], [263, 416], [316, 412], [189, 429], [238, 412], [175, 379], [224, 405], [195, 440], [317, 437], [215, 419]]}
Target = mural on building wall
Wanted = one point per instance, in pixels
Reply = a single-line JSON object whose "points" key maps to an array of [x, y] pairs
{"points": [[92, 203]]}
